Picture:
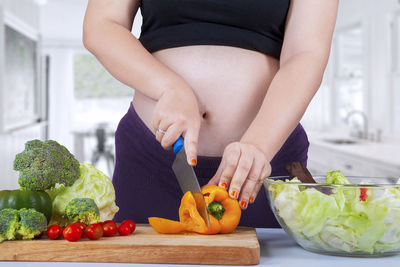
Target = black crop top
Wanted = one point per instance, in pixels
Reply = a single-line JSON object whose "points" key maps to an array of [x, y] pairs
{"points": [[251, 24]]}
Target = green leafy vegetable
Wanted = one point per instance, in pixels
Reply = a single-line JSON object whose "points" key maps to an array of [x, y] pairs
{"points": [[93, 184], [336, 177]]}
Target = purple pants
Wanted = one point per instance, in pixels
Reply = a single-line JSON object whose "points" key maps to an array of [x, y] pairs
{"points": [[146, 186]]}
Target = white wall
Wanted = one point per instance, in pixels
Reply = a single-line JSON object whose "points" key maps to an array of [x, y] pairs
{"points": [[61, 23], [11, 143], [26, 10]]}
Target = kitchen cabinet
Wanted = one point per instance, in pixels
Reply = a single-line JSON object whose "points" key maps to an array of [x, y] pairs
{"points": [[362, 158]]}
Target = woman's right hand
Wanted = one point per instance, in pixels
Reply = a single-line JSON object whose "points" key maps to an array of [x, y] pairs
{"points": [[177, 114]]}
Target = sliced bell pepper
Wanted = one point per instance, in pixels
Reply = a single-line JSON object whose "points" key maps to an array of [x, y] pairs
{"points": [[165, 226], [224, 214]]}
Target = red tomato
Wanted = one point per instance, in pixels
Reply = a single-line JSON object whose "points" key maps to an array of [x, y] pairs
{"points": [[81, 225], [94, 231], [54, 231], [109, 221], [72, 232], [131, 224], [363, 193], [110, 229], [124, 229]]}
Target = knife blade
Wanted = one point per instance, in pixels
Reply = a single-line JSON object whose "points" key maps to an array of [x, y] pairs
{"points": [[187, 178]]}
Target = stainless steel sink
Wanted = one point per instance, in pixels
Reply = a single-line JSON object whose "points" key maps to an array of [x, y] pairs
{"points": [[341, 141]]}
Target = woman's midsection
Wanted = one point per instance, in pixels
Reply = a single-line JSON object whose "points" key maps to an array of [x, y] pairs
{"points": [[230, 84]]}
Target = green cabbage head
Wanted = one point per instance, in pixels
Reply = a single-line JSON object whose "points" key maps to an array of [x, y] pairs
{"points": [[91, 183]]}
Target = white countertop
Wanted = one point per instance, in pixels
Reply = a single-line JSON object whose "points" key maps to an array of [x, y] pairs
{"points": [[387, 151], [276, 249]]}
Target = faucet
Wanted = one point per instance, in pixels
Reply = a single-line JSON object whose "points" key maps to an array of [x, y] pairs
{"points": [[361, 134]]}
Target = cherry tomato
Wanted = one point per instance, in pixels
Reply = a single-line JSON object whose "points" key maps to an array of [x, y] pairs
{"points": [[81, 225], [131, 224], [72, 232], [363, 194], [124, 229], [94, 231], [110, 229], [54, 231], [110, 222]]}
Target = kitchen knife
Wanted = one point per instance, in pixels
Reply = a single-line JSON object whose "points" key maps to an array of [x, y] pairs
{"points": [[187, 178]]}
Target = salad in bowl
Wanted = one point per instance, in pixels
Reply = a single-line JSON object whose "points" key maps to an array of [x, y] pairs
{"points": [[338, 215]]}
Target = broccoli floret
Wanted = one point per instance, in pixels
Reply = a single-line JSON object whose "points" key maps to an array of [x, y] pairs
{"points": [[9, 222], [82, 210], [43, 164], [21, 224], [32, 223]]}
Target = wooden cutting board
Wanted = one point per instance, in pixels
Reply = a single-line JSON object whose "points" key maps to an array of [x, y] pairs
{"points": [[144, 246]]}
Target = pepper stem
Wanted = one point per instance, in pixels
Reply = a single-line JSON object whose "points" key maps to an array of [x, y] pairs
{"points": [[216, 209]]}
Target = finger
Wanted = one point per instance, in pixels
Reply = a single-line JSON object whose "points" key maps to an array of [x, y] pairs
{"points": [[255, 191], [216, 178], [172, 134], [241, 173], [156, 121], [190, 142], [264, 174], [231, 158], [251, 182], [164, 125], [246, 192]]}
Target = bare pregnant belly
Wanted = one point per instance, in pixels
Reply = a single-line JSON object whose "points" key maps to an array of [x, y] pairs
{"points": [[230, 84]]}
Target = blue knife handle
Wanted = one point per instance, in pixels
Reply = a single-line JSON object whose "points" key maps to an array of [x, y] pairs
{"points": [[178, 145]]}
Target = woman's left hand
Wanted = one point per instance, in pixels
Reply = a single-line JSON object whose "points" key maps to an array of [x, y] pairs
{"points": [[243, 168]]}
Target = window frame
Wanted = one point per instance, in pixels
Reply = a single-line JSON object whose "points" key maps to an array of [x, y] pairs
{"points": [[395, 71], [38, 115]]}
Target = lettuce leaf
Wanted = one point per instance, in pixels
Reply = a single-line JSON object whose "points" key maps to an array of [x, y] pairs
{"points": [[305, 211], [336, 177]]}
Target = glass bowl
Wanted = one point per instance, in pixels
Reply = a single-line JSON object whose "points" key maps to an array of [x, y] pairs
{"points": [[361, 219]]}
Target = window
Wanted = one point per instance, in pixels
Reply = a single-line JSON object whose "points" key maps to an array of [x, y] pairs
{"points": [[99, 102], [98, 97], [349, 84], [20, 105], [395, 73]]}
